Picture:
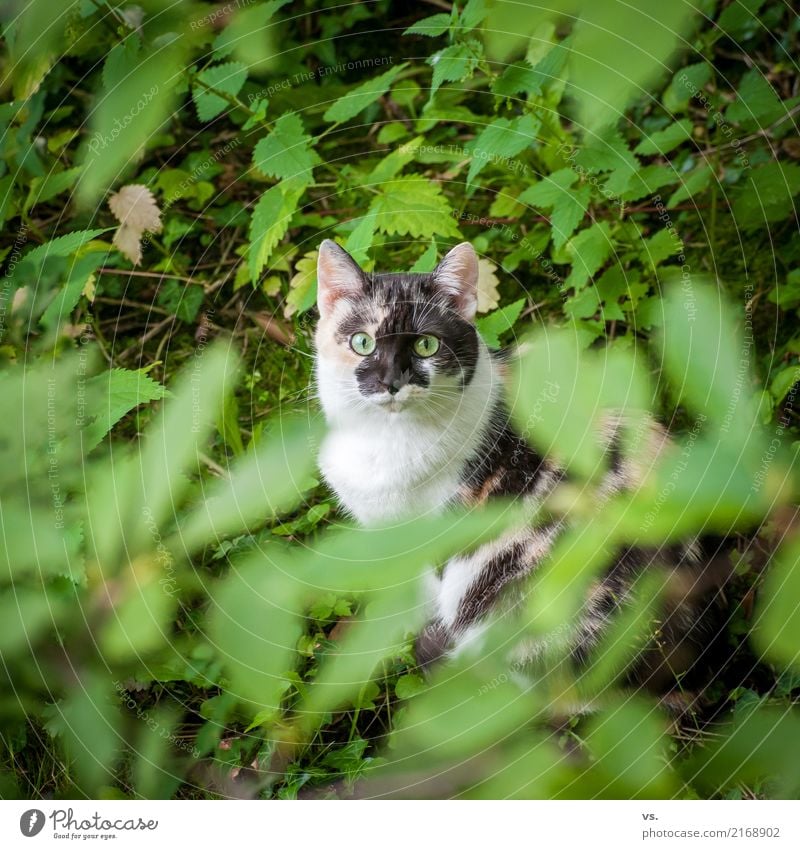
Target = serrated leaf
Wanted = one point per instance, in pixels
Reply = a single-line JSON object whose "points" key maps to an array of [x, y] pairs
{"points": [[269, 224], [663, 141], [569, 205], [767, 195], [455, 63], [432, 26], [286, 152], [413, 206], [229, 77], [121, 391], [63, 245], [589, 249], [757, 104], [696, 182], [359, 98], [493, 326], [303, 285], [137, 212], [500, 140]]}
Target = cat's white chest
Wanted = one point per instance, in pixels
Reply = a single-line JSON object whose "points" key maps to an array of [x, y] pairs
{"points": [[385, 473]]}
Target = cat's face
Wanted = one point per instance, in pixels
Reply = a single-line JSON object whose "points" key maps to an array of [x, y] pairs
{"points": [[395, 343]]}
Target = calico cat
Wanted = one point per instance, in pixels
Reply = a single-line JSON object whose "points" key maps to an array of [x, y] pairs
{"points": [[417, 422]]}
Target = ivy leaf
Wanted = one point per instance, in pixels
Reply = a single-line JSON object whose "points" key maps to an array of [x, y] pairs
{"points": [[228, 77], [359, 98], [501, 140], [269, 223], [663, 141], [413, 206], [122, 390], [455, 63], [286, 152], [500, 321]]}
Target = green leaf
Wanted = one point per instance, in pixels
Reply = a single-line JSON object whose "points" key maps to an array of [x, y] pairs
{"points": [[431, 26], [767, 195], [359, 98], [663, 141], [455, 63], [589, 249], [122, 391], [499, 321], [270, 221], [499, 141], [427, 260], [696, 182], [757, 104], [684, 85], [227, 78], [569, 205], [245, 34], [408, 686], [413, 206], [43, 189], [286, 152], [63, 245]]}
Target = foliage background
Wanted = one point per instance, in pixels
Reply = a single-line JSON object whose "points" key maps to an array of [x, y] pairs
{"points": [[180, 612]]}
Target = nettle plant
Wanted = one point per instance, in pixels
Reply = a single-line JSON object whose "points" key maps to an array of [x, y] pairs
{"points": [[171, 603]]}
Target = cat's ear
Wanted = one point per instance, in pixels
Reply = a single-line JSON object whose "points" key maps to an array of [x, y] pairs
{"points": [[338, 276], [457, 276]]}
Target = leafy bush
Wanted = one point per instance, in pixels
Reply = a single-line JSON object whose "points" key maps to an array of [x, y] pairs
{"points": [[181, 612]]}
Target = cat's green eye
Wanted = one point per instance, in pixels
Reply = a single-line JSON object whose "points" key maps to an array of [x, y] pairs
{"points": [[426, 346], [362, 343]]}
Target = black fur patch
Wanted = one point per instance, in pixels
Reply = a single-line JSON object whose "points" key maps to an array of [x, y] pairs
{"points": [[414, 306]]}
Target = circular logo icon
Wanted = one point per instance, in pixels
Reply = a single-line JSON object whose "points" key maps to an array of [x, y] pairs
{"points": [[31, 822]]}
